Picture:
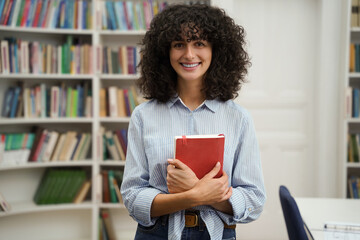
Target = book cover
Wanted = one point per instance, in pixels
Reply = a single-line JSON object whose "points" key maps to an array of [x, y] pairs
{"points": [[121, 103], [354, 13], [79, 178], [102, 99], [200, 152], [105, 187], [39, 145], [58, 147], [110, 144], [80, 196], [113, 197], [108, 224], [8, 96], [50, 146], [113, 101], [118, 145], [86, 146], [80, 143]]}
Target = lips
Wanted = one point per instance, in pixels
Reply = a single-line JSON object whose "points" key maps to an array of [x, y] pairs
{"points": [[190, 65]]}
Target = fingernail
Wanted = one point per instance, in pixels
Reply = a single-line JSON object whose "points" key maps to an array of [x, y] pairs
{"points": [[218, 164], [170, 159]]}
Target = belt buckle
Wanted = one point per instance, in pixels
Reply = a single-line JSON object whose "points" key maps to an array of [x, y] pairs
{"points": [[192, 221]]}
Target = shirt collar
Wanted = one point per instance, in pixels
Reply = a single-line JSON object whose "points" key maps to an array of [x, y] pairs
{"points": [[212, 105]]}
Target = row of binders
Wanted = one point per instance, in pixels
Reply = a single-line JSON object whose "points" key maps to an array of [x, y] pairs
{"points": [[68, 14], [43, 145], [22, 56], [118, 102], [42, 101], [129, 15], [62, 186]]}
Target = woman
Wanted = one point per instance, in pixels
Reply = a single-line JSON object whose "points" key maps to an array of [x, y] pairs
{"points": [[193, 64]]}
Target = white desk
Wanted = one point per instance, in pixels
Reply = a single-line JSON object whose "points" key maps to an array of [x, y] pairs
{"points": [[317, 211]]}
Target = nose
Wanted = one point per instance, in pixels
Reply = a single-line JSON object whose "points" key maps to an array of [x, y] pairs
{"points": [[189, 52]]}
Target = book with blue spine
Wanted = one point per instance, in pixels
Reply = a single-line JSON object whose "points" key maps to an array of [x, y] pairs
{"points": [[2, 3], [7, 102], [356, 93], [14, 102], [111, 14], [42, 13]]}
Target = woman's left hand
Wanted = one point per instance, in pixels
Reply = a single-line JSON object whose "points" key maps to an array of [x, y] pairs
{"points": [[180, 177]]}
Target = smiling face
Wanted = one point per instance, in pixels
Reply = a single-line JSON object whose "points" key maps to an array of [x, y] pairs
{"points": [[190, 59]]}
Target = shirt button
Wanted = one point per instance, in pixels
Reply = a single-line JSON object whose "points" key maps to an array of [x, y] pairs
{"points": [[250, 209]]}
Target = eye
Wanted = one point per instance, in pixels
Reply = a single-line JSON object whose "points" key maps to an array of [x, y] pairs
{"points": [[200, 44], [177, 45]]}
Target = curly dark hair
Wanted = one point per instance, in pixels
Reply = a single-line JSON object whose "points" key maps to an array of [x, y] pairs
{"points": [[229, 63]]}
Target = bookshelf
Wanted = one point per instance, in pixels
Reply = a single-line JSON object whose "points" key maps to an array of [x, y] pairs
{"points": [[19, 182], [349, 117]]}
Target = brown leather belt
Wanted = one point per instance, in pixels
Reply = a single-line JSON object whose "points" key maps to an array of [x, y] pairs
{"points": [[192, 219]]}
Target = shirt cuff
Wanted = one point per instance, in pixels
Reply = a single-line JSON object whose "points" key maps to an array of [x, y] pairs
{"points": [[142, 206], [240, 210]]}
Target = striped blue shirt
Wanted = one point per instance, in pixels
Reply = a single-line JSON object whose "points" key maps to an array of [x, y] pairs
{"points": [[152, 128]]}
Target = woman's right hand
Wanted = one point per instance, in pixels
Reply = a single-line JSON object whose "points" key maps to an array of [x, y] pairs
{"points": [[210, 190]]}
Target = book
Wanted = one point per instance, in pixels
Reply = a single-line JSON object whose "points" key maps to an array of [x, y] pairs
{"points": [[4, 205], [38, 135], [121, 103], [80, 196], [354, 13], [105, 187], [50, 146], [200, 152], [58, 147], [111, 145], [117, 189], [105, 214], [113, 197], [118, 145], [102, 99], [113, 101]]}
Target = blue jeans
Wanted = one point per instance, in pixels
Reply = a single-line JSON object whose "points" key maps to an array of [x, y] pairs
{"points": [[159, 231]]}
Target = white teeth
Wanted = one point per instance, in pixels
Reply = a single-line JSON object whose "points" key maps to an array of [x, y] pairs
{"points": [[190, 65]]}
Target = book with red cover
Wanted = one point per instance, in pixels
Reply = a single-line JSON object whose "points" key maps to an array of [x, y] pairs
{"points": [[200, 152]]}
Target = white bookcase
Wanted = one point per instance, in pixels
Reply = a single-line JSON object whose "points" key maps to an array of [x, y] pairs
{"points": [[19, 183], [348, 124]]}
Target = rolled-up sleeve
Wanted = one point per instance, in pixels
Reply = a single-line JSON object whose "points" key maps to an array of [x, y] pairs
{"points": [[249, 195], [135, 189]]}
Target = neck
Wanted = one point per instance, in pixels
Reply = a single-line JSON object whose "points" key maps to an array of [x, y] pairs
{"points": [[192, 96]]}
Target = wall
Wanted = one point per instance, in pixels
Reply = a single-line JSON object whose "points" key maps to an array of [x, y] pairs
{"points": [[292, 95]]}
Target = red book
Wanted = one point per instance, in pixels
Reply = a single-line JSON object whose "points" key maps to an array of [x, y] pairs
{"points": [[39, 145], [105, 189], [200, 152], [25, 13], [43, 23], [37, 14], [8, 12]]}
